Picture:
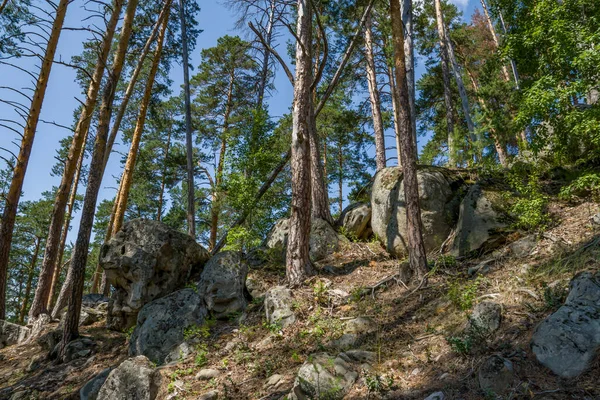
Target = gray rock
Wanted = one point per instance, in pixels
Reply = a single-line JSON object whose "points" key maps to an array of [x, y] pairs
{"points": [[93, 300], [223, 284], [207, 374], [439, 195], [278, 306], [568, 341], [90, 390], [87, 316], [275, 382], [496, 375], [160, 333], [355, 221], [145, 261], [360, 326], [212, 395], [11, 334], [523, 247], [486, 317], [50, 339], [480, 222], [78, 348], [136, 378], [324, 240], [361, 356], [324, 376], [255, 288], [436, 396]]}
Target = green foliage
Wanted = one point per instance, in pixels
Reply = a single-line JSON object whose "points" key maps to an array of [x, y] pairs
{"points": [[201, 357], [529, 206], [377, 384], [588, 184], [460, 344], [462, 295]]}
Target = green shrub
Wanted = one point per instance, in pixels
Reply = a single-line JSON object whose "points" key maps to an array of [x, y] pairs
{"points": [[587, 184]]}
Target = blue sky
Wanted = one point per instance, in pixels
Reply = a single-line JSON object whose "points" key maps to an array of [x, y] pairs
{"points": [[63, 95]]}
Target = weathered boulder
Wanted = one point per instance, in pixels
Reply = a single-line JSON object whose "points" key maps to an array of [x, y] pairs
{"points": [[11, 334], [165, 327], [90, 390], [481, 222], [355, 221], [278, 306], [324, 240], [324, 377], [78, 348], [145, 261], [353, 331], [568, 341], [486, 317], [136, 378], [496, 375], [207, 374], [223, 284], [523, 247], [87, 316], [440, 192]]}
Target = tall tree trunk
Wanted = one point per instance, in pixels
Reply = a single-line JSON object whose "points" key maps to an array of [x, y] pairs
{"points": [[127, 178], [298, 264], [99, 273], [319, 192], [406, 7], [42, 293], [63, 296], [490, 25], [341, 178], [191, 213], [163, 180], [512, 61], [264, 73], [416, 247], [30, 274], [14, 193], [394, 96], [66, 225], [380, 157], [79, 260], [215, 207], [446, 78]]}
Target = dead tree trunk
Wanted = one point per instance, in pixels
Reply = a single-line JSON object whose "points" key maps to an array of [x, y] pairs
{"points": [[298, 265], [409, 52], [16, 184], [380, 157], [414, 236], [42, 294], [79, 260], [30, 274]]}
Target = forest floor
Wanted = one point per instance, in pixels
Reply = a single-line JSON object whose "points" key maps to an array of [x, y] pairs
{"points": [[418, 337]]}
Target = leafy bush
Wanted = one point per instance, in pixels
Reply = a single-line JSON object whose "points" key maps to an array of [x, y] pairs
{"points": [[587, 184], [463, 296]]}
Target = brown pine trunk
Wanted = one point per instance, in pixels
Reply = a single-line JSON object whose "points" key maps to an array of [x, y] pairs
{"points": [[414, 235], [446, 78], [63, 296], [42, 294], [65, 230], [191, 213], [30, 273], [298, 265], [127, 178], [319, 192], [78, 263], [16, 184], [380, 157], [406, 8], [394, 96], [341, 178]]}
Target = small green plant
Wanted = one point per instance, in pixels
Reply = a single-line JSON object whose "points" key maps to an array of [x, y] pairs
{"points": [[377, 384], [463, 296], [350, 235], [273, 327], [192, 286], [460, 344], [554, 296], [129, 332], [201, 357], [529, 208], [199, 331], [295, 357], [320, 292], [356, 294]]}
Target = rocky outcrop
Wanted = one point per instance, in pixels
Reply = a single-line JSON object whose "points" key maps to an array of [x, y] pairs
{"points": [[166, 327], [324, 377], [145, 261], [481, 222], [223, 284], [11, 334], [136, 378], [568, 341], [355, 221], [278, 306], [324, 240], [90, 390], [440, 192]]}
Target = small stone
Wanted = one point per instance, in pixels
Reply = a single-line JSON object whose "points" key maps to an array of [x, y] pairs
{"points": [[274, 382], [415, 372], [523, 247], [360, 326], [207, 374], [496, 375], [212, 395], [436, 396], [362, 356], [486, 317], [444, 376]]}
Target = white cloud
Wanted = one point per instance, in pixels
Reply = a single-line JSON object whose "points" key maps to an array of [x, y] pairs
{"points": [[460, 3]]}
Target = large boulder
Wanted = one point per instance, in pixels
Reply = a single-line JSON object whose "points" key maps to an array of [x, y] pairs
{"points": [[324, 377], [568, 341], [12, 334], [355, 221], [136, 378], [166, 327], [482, 222], [324, 240], [223, 284], [145, 261], [440, 192], [279, 306], [90, 390]]}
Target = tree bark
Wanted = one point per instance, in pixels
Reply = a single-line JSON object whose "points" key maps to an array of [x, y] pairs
{"points": [[127, 178], [380, 157], [406, 7], [164, 176], [490, 25], [63, 296], [43, 293], [191, 213], [319, 190], [416, 247], [30, 273], [298, 264], [394, 96], [78, 263], [16, 184], [446, 78]]}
